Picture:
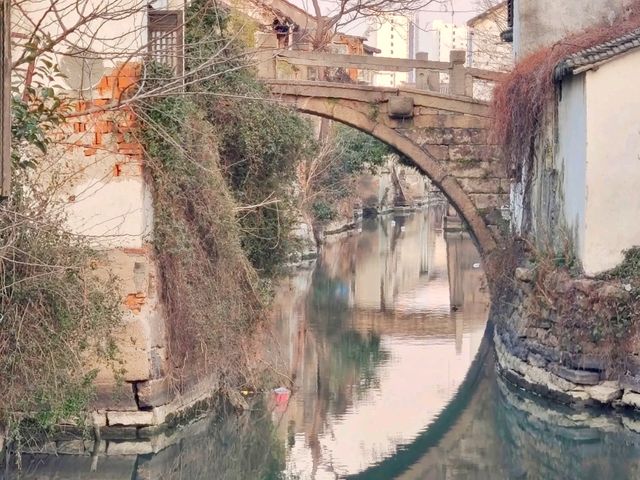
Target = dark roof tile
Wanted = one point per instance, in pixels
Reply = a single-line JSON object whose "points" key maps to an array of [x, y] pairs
{"points": [[588, 57]]}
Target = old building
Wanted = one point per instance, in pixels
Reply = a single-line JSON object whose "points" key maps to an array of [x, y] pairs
{"points": [[485, 47], [584, 167]]}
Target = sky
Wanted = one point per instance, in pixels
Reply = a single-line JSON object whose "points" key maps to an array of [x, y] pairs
{"points": [[457, 12]]}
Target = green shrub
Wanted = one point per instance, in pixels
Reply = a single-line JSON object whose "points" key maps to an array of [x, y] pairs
{"points": [[260, 142]]}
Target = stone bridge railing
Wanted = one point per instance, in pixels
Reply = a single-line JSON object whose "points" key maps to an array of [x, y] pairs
{"points": [[446, 136], [282, 64]]}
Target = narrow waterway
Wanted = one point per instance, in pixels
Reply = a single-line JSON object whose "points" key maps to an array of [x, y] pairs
{"points": [[393, 377], [378, 339]]}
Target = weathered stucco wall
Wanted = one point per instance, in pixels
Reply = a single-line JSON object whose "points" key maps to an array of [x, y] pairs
{"points": [[539, 23], [613, 162], [586, 169], [108, 199], [571, 159]]}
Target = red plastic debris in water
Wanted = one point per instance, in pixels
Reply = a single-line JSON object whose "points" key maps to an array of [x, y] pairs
{"points": [[282, 395]]}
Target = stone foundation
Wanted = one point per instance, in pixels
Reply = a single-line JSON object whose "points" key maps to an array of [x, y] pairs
{"points": [[547, 342]]}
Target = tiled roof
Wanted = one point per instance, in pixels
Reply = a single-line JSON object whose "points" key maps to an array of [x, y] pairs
{"points": [[592, 56]]}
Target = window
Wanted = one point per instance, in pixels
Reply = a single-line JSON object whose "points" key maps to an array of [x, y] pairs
{"points": [[507, 35], [165, 38], [5, 99]]}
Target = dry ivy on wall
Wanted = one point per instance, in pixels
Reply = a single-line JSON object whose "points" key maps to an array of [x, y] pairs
{"points": [[521, 99]]}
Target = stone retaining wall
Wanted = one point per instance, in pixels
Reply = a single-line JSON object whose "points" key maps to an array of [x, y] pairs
{"points": [[550, 348]]}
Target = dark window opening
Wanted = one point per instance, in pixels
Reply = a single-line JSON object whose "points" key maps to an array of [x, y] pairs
{"points": [[507, 35], [166, 44]]}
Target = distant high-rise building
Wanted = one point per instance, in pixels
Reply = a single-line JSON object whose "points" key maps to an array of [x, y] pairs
{"points": [[393, 36], [447, 37]]}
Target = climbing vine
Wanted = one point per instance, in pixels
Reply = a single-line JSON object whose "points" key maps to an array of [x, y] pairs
{"points": [[260, 142]]}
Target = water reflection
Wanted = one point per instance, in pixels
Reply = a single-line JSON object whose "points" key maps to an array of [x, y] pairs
{"points": [[220, 446], [380, 340], [373, 344]]}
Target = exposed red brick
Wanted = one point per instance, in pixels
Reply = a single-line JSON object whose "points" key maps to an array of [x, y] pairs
{"points": [[130, 148], [135, 301], [89, 151], [104, 126], [117, 170]]}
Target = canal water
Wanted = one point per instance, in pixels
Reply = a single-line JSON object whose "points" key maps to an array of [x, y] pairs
{"points": [[385, 343]]}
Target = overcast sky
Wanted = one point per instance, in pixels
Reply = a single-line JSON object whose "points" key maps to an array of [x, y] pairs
{"points": [[455, 11]]}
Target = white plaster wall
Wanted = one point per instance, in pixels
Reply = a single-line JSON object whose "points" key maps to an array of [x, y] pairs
{"points": [[613, 162], [113, 212], [571, 158], [539, 23]]}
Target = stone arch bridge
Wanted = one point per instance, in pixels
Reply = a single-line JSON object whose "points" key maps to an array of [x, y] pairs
{"points": [[444, 135]]}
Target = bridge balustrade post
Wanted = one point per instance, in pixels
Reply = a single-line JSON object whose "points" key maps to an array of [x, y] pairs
{"points": [[265, 56], [426, 79], [457, 73]]}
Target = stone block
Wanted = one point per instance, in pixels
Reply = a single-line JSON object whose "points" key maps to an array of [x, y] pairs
{"points": [[47, 448], [439, 152], [605, 393], [580, 377], [584, 362], [400, 106], [434, 136], [139, 418], [99, 418], [470, 169], [457, 56], [469, 136], [133, 351], [481, 185], [471, 152], [548, 353], [153, 393], [489, 200], [140, 447], [631, 399], [118, 432], [115, 396], [428, 118]]}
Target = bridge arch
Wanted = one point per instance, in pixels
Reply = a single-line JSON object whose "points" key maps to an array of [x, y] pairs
{"points": [[357, 108]]}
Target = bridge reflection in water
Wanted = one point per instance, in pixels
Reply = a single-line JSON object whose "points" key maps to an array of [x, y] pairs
{"points": [[388, 384], [375, 347]]}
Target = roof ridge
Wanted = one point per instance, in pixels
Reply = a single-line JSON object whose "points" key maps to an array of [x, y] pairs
{"points": [[588, 57]]}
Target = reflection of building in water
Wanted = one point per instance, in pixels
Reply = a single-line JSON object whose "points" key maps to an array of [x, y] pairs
{"points": [[375, 351], [403, 266], [467, 286]]}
